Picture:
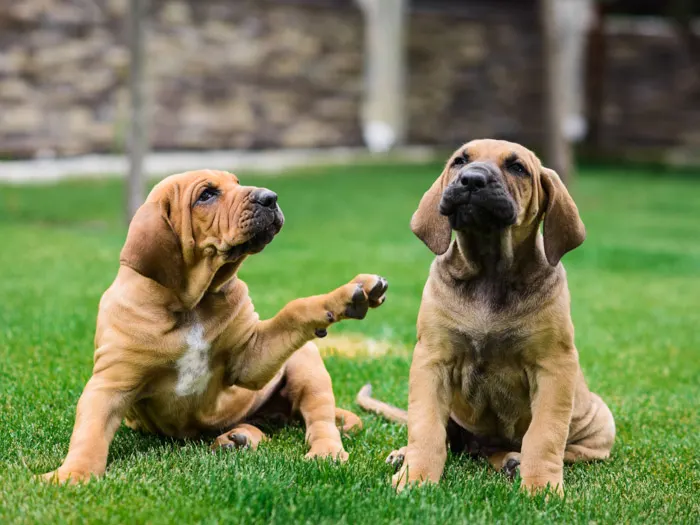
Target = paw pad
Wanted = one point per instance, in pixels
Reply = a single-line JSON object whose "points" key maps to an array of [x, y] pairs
{"points": [[231, 442], [357, 309], [511, 468], [395, 459], [376, 294]]}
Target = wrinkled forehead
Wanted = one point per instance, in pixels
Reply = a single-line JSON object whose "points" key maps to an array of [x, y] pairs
{"points": [[497, 152], [182, 183]]}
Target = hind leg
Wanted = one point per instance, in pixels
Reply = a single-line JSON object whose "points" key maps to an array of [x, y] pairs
{"points": [[347, 421], [582, 452], [242, 436], [591, 438], [593, 434], [310, 391]]}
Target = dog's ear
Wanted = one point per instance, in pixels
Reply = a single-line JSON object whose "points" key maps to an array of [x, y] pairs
{"points": [[563, 227], [428, 224], [152, 248]]}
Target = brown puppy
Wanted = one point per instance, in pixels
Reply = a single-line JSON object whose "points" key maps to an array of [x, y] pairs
{"points": [[495, 368], [180, 350]]}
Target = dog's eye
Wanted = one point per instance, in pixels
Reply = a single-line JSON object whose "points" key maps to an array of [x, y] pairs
{"points": [[518, 168], [207, 194], [459, 161]]}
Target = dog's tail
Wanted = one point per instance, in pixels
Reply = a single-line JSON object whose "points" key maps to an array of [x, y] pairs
{"points": [[368, 403]]}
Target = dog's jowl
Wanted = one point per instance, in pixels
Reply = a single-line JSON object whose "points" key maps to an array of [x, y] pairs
{"points": [[179, 349], [495, 371]]}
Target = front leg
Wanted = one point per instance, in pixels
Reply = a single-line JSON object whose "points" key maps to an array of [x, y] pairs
{"points": [[542, 453], [101, 407], [302, 320], [429, 403]]}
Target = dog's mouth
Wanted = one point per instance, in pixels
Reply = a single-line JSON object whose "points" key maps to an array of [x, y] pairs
{"points": [[262, 236], [485, 210]]}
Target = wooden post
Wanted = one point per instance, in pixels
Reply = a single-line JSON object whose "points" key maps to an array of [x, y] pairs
{"points": [[384, 106], [557, 148], [138, 135], [595, 78]]}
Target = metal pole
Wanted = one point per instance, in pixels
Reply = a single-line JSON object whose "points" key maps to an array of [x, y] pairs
{"points": [[138, 135]]}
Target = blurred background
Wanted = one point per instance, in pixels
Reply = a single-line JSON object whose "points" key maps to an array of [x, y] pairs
{"points": [[619, 79]]}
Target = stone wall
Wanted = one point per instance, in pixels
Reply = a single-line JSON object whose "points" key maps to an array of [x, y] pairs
{"points": [[651, 91], [479, 74], [474, 74], [289, 73], [222, 74]]}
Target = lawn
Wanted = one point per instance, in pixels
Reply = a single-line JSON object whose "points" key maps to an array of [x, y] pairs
{"points": [[636, 305]]}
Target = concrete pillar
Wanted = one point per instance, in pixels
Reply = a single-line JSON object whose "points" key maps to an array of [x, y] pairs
{"points": [[557, 152], [384, 106], [573, 19]]}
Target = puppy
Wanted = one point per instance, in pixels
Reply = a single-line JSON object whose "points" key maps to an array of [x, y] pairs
{"points": [[495, 367], [180, 350]]}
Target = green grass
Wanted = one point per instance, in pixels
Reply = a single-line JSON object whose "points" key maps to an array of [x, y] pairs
{"points": [[636, 305]]}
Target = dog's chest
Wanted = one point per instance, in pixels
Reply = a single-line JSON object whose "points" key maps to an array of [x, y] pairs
{"points": [[490, 378], [194, 366], [488, 342]]}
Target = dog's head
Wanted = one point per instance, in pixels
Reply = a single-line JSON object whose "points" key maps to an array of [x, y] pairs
{"points": [[197, 227], [491, 185]]}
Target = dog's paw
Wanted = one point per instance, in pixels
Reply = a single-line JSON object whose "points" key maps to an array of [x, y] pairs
{"points": [[411, 477], [404, 479], [350, 301], [347, 422], [327, 449], [65, 477], [365, 291], [233, 440], [396, 458], [399, 480], [511, 465], [374, 288], [533, 486]]}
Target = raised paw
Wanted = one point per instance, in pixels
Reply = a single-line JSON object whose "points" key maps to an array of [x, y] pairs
{"points": [[377, 294], [396, 458], [350, 301], [369, 292], [327, 449]]}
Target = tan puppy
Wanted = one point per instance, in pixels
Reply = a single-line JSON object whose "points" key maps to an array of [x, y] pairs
{"points": [[180, 350], [495, 366]]}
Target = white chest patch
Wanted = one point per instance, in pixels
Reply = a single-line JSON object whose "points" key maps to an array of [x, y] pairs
{"points": [[193, 372]]}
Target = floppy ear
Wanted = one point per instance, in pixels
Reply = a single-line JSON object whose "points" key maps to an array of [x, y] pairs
{"points": [[428, 224], [152, 248], [563, 227]]}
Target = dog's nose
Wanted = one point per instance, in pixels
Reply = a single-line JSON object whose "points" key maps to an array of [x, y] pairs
{"points": [[473, 180], [264, 197]]}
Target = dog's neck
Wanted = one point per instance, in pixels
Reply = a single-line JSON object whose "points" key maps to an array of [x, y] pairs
{"points": [[484, 252], [495, 254], [224, 275], [205, 278]]}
